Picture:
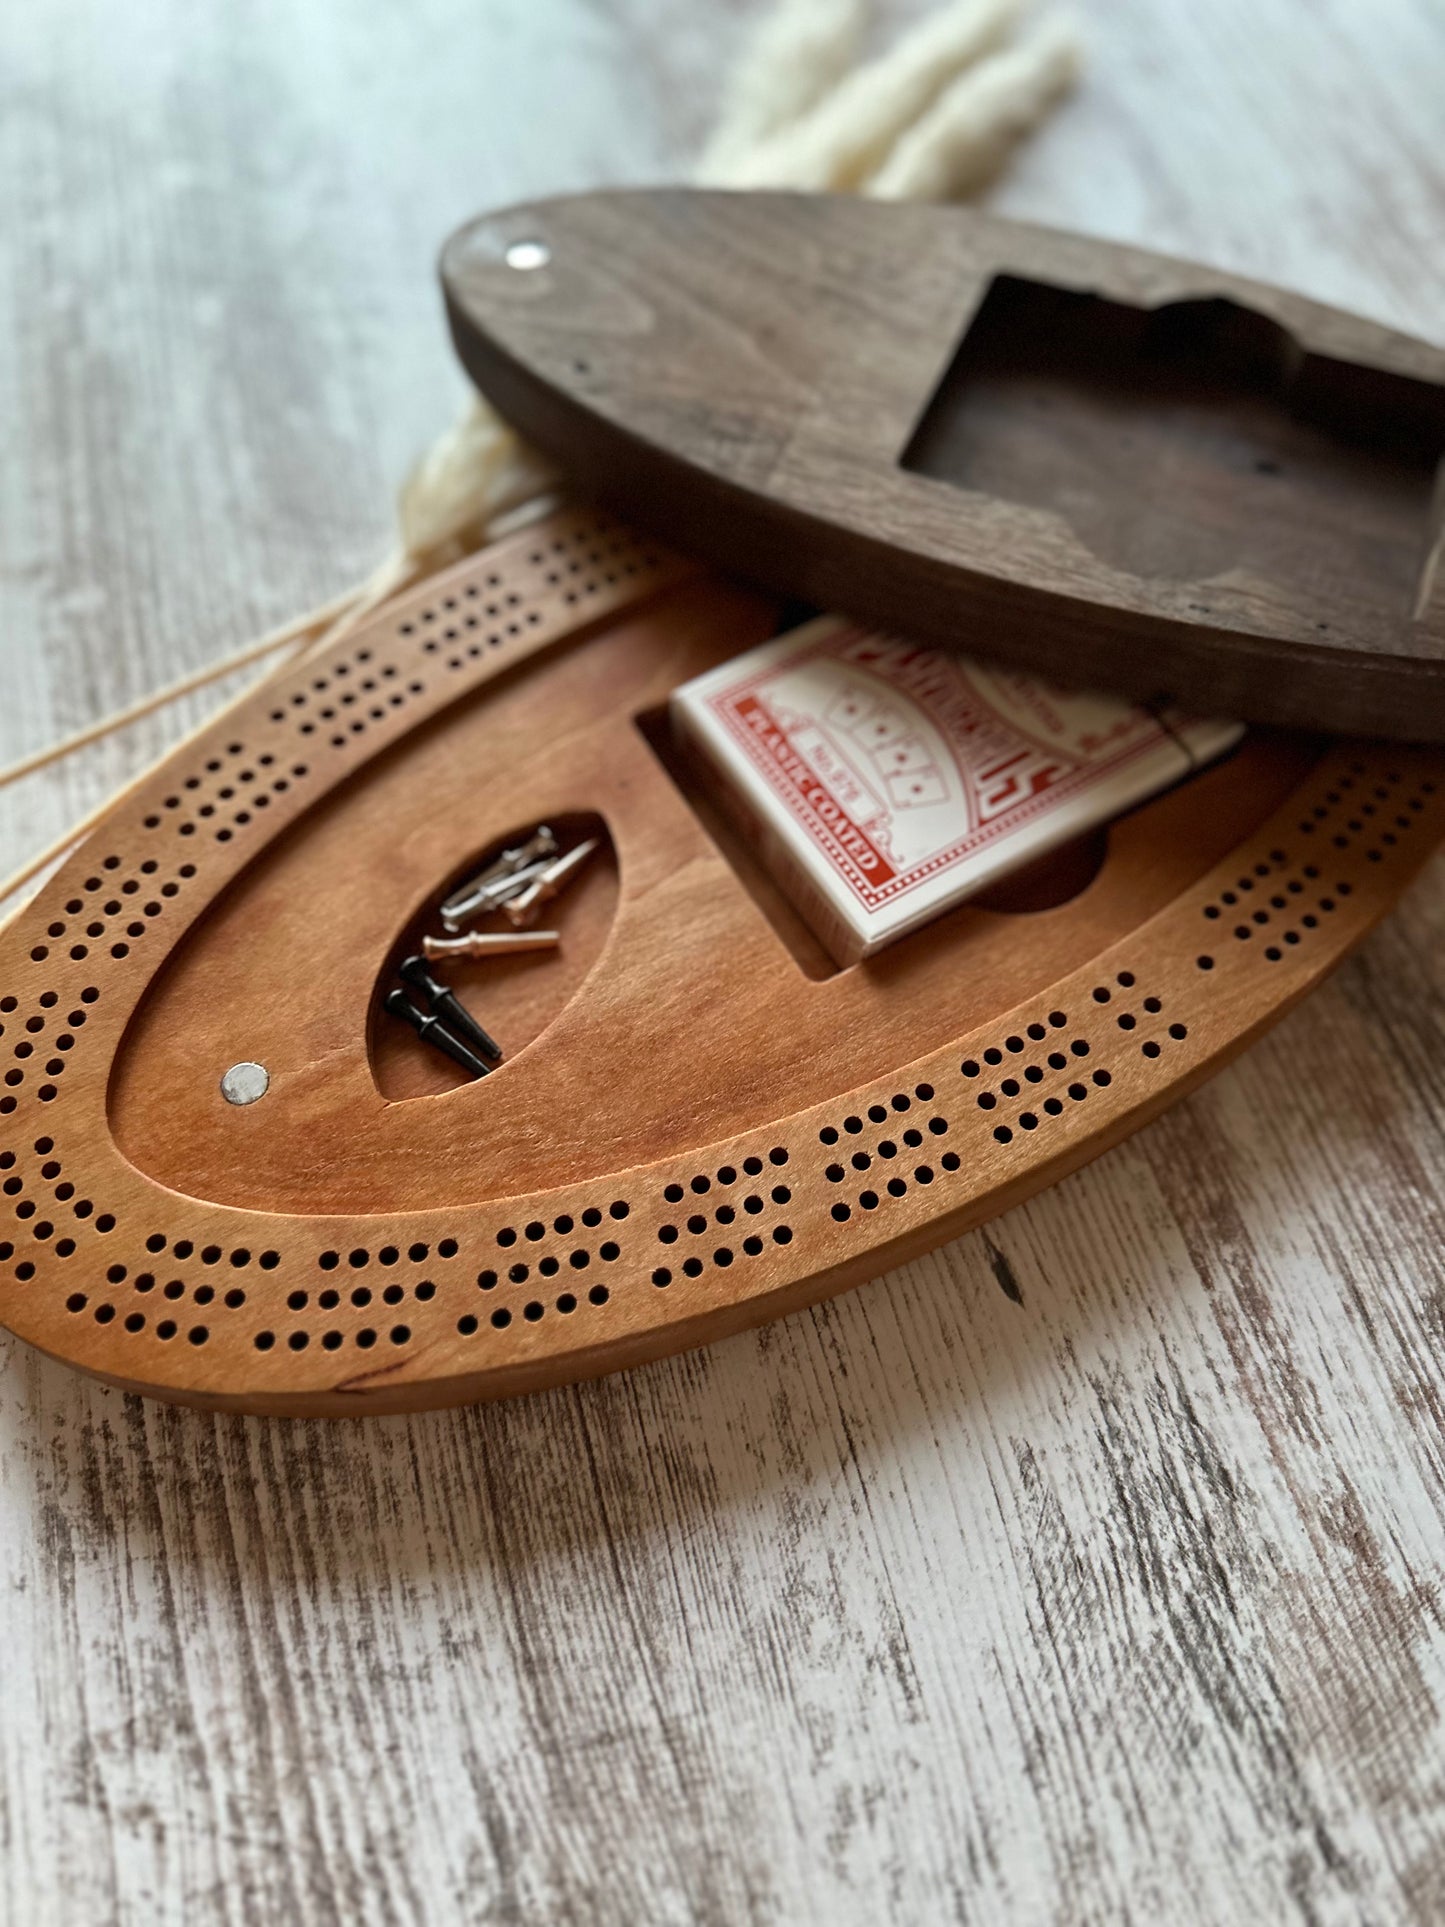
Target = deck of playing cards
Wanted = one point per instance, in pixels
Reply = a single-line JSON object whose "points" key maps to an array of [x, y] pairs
{"points": [[883, 783]]}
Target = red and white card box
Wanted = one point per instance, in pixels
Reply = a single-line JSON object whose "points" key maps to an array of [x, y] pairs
{"points": [[884, 782]]}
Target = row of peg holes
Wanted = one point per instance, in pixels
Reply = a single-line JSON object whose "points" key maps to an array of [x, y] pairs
{"points": [[256, 789], [1059, 1061], [27, 1043], [371, 690], [460, 620], [1127, 1021], [1283, 889], [604, 548], [910, 1137], [722, 1256], [724, 1215], [95, 929], [255, 799], [548, 1265], [360, 1297], [1366, 809], [372, 681], [195, 803], [43, 1229], [533, 1311]]}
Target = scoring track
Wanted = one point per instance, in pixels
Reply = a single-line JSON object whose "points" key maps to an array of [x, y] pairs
{"points": [[479, 1247]]}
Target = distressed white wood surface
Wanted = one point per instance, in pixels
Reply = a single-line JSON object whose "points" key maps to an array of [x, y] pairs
{"points": [[1088, 1571]]}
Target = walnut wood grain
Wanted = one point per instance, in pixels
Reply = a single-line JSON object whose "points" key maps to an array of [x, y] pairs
{"points": [[1112, 467]]}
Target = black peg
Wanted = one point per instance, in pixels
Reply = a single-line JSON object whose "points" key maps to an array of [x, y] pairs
{"points": [[431, 1030], [446, 1003]]}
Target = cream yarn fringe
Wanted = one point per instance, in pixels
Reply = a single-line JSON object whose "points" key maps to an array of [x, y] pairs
{"points": [[933, 117]]}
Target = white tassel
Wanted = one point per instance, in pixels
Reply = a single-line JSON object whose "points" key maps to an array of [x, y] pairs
{"points": [[932, 118], [799, 53], [479, 470], [847, 136], [964, 139]]}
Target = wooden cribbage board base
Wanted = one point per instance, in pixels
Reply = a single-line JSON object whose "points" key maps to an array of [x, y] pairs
{"points": [[704, 1129]]}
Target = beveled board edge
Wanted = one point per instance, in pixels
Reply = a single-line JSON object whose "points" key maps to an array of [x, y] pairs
{"points": [[85, 1238], [866, 554]]}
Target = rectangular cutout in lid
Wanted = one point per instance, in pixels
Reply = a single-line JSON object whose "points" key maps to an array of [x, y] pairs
{"points": [[1191, 441]]}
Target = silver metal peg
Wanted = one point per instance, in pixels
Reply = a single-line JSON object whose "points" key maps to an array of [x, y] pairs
{"points": [[476, 894], [555, 877]]}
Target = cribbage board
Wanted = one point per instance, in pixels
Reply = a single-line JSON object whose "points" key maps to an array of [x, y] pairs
{"points": [[701, 1123]]}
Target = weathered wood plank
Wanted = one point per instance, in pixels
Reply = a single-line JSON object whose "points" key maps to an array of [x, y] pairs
{"points": [[1088, 1570]]}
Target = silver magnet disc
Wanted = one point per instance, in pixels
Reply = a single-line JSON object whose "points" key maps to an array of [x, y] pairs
{"points": [[244, 1083], [528, 254]]}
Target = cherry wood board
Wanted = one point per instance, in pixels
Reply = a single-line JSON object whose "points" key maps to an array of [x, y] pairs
{"points": [[690, 1133], [1109, 466], [1087, 1568]]}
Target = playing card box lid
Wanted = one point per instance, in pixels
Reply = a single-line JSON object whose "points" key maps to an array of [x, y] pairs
{"points": [[883, 782]]}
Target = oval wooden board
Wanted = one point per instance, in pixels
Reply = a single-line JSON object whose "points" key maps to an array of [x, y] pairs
{"points": [[1111, 467], [702, 1127]]}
